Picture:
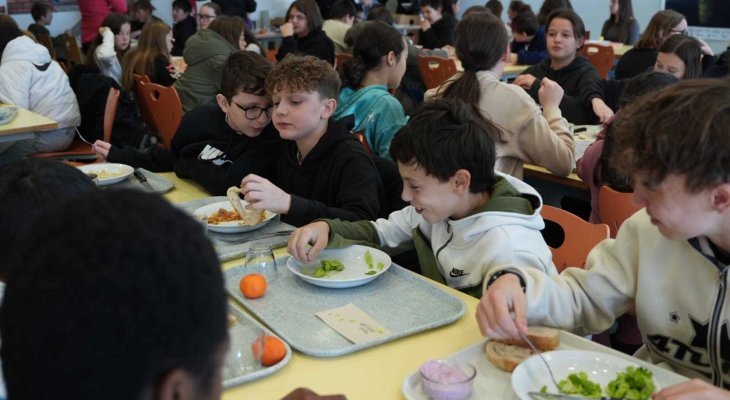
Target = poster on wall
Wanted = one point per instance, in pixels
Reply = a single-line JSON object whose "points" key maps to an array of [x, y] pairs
{"points": [[23, 6], [707, 19]]}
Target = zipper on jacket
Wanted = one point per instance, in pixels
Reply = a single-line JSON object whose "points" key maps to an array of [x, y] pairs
{"points": [[448, 229], [714, 338]]}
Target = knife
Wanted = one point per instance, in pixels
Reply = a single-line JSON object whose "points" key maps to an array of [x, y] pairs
{"points": [[142, 179], [554, 396]]}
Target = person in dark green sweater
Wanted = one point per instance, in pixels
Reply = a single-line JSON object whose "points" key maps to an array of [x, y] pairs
{"points": [[464, 220]]}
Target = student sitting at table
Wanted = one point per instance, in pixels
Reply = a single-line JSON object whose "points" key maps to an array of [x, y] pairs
{"points": [[669, 260], [110, 46], [550, 6], [621, 26], [464, 218], [205, 54], [184, 26], [324, 171], [302, 33], [678, 55], [378, 64], [217, 145], [437, 24], [30, 79], [208, 13], [528, 45], [151, 57], [573, 72], [342, 16], [142, 11], [42, 14], [527, 134]]}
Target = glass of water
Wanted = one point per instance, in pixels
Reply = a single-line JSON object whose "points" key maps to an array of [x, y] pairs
{"points": [[260, 260]]}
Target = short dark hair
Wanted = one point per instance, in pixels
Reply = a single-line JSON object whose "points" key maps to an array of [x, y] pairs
{"points": [[495, 7], [9, 30], [517, 6], [145, 5], [550, 6], [120, 279], [444, 136], [39, 10], [687, 49], [685, 130], [245, 71], [342, 8], [579, 28], [525, 22], [381, 14], [29, 186], [310, 9], [183, 5], [374, 42], [305, 73]]}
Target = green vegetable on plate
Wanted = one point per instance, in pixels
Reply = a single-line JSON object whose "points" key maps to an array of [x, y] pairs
{"points": [[579, 384], [326, 267], [632, 384]]}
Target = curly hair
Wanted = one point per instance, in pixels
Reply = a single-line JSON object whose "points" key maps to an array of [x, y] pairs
{"points": [[304, 73]]}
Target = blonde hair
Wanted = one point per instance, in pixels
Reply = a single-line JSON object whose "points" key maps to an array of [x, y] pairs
{"points": [[152, 42]]}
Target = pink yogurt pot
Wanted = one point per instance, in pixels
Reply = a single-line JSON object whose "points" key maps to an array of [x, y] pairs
{"points": [[447, 379]]}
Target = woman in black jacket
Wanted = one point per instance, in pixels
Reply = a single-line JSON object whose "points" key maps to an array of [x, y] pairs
{"points": [[303, 34]]}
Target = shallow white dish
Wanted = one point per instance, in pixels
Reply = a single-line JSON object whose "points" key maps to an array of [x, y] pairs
{"points": [[354, 274], [231, 226], [7, 114], [531, 375], [108, 173]]}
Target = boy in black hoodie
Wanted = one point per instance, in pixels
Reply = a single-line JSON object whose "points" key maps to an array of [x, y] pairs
{"points": [[437, 24], [324, 171]]}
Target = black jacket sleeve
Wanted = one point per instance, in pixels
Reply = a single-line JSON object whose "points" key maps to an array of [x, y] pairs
{"points": [[156, 159], [573, 108], [163, 71], [608, 90]]}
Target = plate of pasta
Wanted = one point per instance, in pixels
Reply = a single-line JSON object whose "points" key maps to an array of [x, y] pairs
{"points": [[223, 218], [107, 173]]}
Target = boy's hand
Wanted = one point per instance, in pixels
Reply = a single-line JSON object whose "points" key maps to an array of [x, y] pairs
{"points": [[524, 81], [425, 25], [264, 195], [287, 29], [691, 390], [101, 148], [550, 93], [497, 306], [602, 111], [306, 242]]}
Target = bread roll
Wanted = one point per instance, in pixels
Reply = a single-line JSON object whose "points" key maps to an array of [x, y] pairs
{"points": [[506, 354]]}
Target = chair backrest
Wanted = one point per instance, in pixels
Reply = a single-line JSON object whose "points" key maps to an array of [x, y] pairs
{"points": [[363, 140], [615, 207], [271, 54], [47, 42], [580, 237], [435, 70], [341, 58], [601, 56], [110, 111], [407, 19], [73, 53], [141, 78], [161, 108]]}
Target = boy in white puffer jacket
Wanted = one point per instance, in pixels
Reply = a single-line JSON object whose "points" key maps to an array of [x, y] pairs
{"points": [[30, 79]]}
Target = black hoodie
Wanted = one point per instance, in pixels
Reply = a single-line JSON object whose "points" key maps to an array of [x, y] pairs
{"points": [[573, 78], [337, 179], [440, 34], [315, 44]]}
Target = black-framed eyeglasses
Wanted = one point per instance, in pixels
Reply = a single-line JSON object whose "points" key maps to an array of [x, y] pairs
{"points": [[682, 32], [254, 112], [206, 17]]}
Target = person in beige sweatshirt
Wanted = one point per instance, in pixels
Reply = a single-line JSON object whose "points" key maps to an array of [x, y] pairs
{"points": [[528, 134]]}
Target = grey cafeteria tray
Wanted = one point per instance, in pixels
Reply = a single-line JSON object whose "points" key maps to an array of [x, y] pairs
{"points": [[241, 335], [158, 183], [399, 300], [234, 245]]}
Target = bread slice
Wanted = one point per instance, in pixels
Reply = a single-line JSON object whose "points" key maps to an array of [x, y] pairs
{"points": [[506, 354]]}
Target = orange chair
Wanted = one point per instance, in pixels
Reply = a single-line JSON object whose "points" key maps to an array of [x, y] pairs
{"points": [[361, 137], [601, 56], [140, 78], [80, 150], [341, 58], [435, 70], [161, 109], [580, 237], [615, 208], [271, 54]]}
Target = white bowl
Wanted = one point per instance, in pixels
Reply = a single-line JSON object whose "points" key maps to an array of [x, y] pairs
{"points": [[355, 272]]}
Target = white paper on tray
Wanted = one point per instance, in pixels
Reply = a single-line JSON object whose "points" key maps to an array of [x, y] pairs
{"points": [[353, 323]]}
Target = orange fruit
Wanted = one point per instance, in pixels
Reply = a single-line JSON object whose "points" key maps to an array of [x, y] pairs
{"points": [[274, 350], [252, 286]]}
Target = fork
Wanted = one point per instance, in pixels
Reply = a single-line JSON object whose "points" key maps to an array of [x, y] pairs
{"points": [[539, 353]]}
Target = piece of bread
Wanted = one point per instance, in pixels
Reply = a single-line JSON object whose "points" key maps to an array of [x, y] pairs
{"points": [[506, 354]]}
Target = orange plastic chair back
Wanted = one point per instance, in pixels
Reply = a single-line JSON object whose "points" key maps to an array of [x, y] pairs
{"points": [[615, 208], [601, 56], [341, 58], [161, 109], [361, 137], [435, 70], [80, 150], [271, 54], [580, 237]]}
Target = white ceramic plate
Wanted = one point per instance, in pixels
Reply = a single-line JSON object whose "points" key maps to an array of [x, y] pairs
{"points": [[531, 375], [7, 114], [108, 173], [354, 274], [231, 226]]}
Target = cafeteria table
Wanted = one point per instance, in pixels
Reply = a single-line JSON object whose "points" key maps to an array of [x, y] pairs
{"points": [[24, 124]]}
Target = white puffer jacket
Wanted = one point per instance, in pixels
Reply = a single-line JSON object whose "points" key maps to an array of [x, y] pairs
{"points": [[25, 82]]}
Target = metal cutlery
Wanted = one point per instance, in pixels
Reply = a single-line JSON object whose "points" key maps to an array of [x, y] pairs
{"points": [[142, 179], [539, 353]]}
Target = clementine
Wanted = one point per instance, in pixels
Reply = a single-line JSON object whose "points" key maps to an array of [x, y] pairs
{"points": [[252, 286], [273, 351]]}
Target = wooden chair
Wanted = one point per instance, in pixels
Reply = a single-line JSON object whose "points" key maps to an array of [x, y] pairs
{"points": [[73, 52], [47, 42], [435, 70], [341, 58], [407, 19], [361, 137], [161, 109], [601, 56], [80, 150], [580, 237], [615, 208], [271, 54]]}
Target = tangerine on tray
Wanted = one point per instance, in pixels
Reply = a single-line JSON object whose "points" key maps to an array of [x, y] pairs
{"points": [[252, 286], [273, 352]]}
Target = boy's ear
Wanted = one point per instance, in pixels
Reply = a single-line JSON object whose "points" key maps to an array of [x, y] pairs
{"points": [[391, 59], [175, 385], [328, 109], [721, 197], [222, 102], [462, 181]]}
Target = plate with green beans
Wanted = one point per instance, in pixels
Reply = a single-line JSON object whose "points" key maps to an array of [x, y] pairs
{"points": [[342, 268]]}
